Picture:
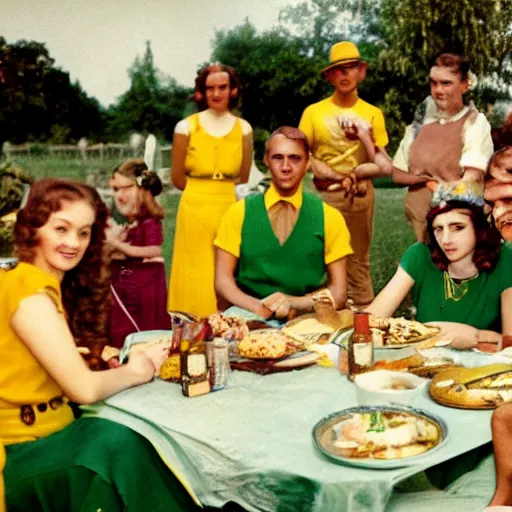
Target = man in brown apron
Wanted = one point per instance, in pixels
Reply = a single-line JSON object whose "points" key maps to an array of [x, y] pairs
{"points": [[347, 137], [448, 141]]}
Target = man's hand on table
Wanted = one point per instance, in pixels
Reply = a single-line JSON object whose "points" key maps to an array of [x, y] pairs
{"points": [[281, 305]]}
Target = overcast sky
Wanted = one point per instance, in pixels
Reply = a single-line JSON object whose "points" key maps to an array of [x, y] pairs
{"points": [[96, 41]]}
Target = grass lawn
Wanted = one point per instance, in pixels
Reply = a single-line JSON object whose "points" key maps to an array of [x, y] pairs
{"points": [[391, 234]]}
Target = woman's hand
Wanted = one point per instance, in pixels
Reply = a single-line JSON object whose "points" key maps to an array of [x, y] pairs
{"points": [[146, 364]]}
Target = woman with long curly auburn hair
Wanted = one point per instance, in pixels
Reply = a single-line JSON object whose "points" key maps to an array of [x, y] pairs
{"points": [[461, 278], [211, 153], [85, 288], [50, 302]]}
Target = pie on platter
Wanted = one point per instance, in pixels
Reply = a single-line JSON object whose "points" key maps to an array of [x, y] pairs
{"points": [[485, 387], [380, 434]]}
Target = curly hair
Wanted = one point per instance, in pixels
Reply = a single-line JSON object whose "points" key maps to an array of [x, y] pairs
{"points": [[85, 288], [457, 63], [150, 187], [488, 238], [200, 90]]}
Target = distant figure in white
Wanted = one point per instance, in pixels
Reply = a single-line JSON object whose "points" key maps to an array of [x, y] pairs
{"points": [[136, 144]]}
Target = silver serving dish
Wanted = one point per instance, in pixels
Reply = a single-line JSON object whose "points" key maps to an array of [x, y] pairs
{"points": [[322, 436]]}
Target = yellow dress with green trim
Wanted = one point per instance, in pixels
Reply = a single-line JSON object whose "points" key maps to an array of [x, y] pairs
{"points": [[24, 384], [212, 166]]}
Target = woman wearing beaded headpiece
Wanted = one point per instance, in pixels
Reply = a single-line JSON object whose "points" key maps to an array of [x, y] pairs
{"points": [[460, 278]]}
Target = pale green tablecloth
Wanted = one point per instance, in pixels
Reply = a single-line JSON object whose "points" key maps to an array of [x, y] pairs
{"points": [[252, 443]]}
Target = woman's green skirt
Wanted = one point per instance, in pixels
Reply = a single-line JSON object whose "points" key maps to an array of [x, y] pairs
{"points": [[91, 465]]}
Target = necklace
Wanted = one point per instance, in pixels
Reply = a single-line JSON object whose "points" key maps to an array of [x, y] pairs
{"points": [[455, 290]]}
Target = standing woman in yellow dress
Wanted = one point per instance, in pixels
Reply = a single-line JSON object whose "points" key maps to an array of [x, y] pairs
{"points": [[211, 153]]}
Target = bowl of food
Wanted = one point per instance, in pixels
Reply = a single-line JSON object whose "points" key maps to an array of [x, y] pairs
{"points": [[388, 387]]}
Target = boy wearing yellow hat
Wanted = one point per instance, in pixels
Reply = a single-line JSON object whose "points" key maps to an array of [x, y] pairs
{"points": [[347, 136]]}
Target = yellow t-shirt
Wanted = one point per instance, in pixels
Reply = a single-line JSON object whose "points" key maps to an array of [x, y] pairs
{"points": [[23, 381], [328, 142], [337, 236], [209, 156], [2, 466]]}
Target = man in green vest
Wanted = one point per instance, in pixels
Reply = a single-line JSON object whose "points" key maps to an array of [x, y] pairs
{"points": [[274, 250]]}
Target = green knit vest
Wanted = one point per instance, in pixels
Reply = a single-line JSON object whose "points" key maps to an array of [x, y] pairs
{"points": [[297, 267]]}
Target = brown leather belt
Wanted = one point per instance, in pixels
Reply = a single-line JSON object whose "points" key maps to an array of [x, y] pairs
{"points": [[28, 414]]}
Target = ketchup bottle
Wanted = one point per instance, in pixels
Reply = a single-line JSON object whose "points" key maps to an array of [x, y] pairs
{"points": [[360, 346]]}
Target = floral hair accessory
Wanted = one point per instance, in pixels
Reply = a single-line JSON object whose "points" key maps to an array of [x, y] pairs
{"points": [[138, 180], [469, 192]]}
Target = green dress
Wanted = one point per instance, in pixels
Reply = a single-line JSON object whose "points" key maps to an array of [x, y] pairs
{"points": [[479, 306], [91, 465]]}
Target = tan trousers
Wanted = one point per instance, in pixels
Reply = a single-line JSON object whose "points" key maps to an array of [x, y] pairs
{"points": [[417, 205], [358, 214]]}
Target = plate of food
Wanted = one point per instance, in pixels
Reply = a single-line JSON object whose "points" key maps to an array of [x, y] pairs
{"points": [[424, 363], [394, 333], [268, 344], [379, 437], [485, 387], [310, 329]]}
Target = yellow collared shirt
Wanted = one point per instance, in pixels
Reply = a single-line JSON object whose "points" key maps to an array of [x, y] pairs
{"points": [[337, 236]]}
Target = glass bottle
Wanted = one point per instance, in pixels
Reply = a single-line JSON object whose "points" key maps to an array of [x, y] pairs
{"points": [[195, 376], [360, 346], [171, 369]]}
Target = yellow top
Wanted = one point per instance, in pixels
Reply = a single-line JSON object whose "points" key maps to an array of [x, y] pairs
{"points": [[213, 157], [328, 143], [2, 466], [337, 236], [23, 381]]}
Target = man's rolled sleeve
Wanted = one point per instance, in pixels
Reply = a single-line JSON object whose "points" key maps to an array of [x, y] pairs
{"points": [[229, 235], [337, 236], [478, 146]]}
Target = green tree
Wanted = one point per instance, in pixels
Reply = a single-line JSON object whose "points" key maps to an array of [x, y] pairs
{"points": [[279, 76], [154, 103], [37, 99]]}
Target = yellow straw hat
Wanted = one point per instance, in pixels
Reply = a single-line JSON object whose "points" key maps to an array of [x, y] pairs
{"points": [[343, 53]]}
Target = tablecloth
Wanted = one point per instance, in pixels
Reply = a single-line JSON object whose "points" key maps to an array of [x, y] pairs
{"points": [[252, 443]]}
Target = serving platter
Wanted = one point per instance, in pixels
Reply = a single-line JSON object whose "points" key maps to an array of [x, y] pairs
{"points": [[341, 338], [323, 436], [318, 332], [141, 337]]}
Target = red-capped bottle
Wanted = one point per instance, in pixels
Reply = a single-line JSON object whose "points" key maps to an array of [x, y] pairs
{"points": [[360, 346]]}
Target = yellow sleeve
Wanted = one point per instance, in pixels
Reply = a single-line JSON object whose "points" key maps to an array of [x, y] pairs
{"points": [[379, 129], [337, 235], [306, 125], [28, 283], [229, 235]]}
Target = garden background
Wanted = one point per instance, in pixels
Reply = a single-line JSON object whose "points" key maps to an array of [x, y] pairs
{"points": [[280, 70]]}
